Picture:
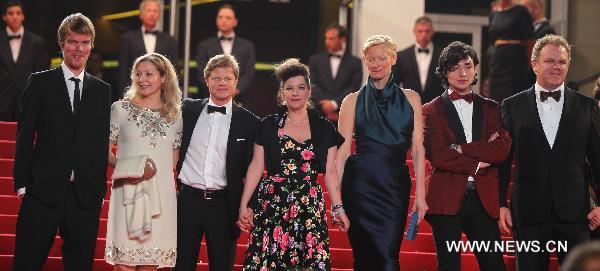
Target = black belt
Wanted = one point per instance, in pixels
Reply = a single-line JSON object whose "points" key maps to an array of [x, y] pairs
{"points": [[205, 194]]}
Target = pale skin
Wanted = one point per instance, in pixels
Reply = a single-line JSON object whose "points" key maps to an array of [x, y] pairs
{"points": [[296, 93], [550, 69], [149, 81], [379, 62]]}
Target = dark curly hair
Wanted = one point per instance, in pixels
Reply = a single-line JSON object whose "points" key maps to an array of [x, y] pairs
{"points": [[450, 56], [287, 69]]}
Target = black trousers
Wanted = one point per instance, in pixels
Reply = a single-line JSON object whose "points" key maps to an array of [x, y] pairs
{"points": [[38, 223], [477, 225], [554, 230], [196, 218]]}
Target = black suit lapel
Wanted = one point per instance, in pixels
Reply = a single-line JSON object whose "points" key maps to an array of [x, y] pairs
{"points": [[190, 118], [531, 111], [5, 51], [453, 119], [415, 66], [141, 45], [235, 129], [25, 44], [63, 94], [569, 108], [218, 48], [86, 95], [477, 118], [435, 55]]}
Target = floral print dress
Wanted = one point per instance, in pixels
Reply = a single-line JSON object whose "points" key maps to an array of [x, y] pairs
{"points": [[290, 227]]}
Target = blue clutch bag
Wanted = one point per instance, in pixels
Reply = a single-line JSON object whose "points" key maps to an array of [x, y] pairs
{"points": [[413, 228]]}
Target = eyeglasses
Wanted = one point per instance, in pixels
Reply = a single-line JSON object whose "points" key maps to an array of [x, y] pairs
{"points": [[217, 80]]}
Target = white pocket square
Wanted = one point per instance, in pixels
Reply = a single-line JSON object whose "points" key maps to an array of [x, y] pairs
{"points": [[240, 139]]}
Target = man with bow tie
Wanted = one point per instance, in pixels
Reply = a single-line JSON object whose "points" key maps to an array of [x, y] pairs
{"points": [[21, 53], [227, 42], [465, 142], [555, 130], [415, 67], [216, 149], [334, 72], [147, 39]]}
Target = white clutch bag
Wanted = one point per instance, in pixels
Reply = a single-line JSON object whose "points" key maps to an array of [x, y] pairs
{"points": [[130, 167]]}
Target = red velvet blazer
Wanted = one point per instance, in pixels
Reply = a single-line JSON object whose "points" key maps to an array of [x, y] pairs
{"points": [[451, 169]]}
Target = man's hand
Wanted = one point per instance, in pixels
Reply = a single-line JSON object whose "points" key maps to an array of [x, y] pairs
{"points": [[594, 217], [327, 106], [493, 136], [505, 221]]}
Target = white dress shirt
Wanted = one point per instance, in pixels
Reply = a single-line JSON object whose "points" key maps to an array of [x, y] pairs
{"points": [[227, 45], [15, 44], [465, 114], [335, 62], [204, 164], [149, 40], [68, 74], [423, 61], [550, 112]]}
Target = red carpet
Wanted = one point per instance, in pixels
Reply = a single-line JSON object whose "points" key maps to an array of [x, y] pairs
{"points": [[417, 255]]}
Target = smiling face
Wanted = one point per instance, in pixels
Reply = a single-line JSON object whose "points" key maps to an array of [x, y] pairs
{"points": [[551, 66], [221, 84], [76, 50], [148, 80], [461, 76], [296, 93], [379, 62]]}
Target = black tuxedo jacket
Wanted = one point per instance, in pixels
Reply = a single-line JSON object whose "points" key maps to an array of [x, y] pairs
{"points": [[240, 146], [132, 47], [549, 180], [52, 141], [544, 29], [406, 74], [32, 58], [347, 79], [242, 50]]}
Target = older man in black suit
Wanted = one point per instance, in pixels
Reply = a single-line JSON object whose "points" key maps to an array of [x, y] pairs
{"points": [[228, 43], [61, 157], [334, 72], [555, 130], [145, 40], [21, 53], [415, 67]]}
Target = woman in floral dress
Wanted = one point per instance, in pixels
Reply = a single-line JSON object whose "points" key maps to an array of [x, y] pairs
{"points": [[147, 122], [288, 215]]}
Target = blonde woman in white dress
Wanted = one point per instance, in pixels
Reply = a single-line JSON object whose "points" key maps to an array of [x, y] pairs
{"points": [[146, 122]]}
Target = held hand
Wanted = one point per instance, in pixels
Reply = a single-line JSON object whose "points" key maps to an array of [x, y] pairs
{"points": [[327, 106], [421, 207], [505, 221], [342, 222], [594, 218], [246, 219], [493, 136], [149, 172]]}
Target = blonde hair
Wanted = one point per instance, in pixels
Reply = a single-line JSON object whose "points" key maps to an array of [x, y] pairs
{"points": [[169, 93], [222, 61], [390, 45]]}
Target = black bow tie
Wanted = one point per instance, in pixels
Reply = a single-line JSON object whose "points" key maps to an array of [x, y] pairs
{"points": [[226, 38], [544, 95], [151, 32], [14, 37], [423, 50], [220, 109], [335, 55]]}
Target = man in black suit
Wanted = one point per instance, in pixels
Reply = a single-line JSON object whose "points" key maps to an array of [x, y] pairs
{"points": [[216, 149], [61, 155], [21, 53], [335, 72], [228, 43], [145, 40], [415, 67], [554, 131]]}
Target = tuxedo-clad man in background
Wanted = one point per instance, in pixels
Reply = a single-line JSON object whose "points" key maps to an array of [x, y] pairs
{"points": [[334, 72], [216, 149], [21, 53], [415, 67], [464, 138], [227, 42], [147, 39], [61, 157], [554, 130]]}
